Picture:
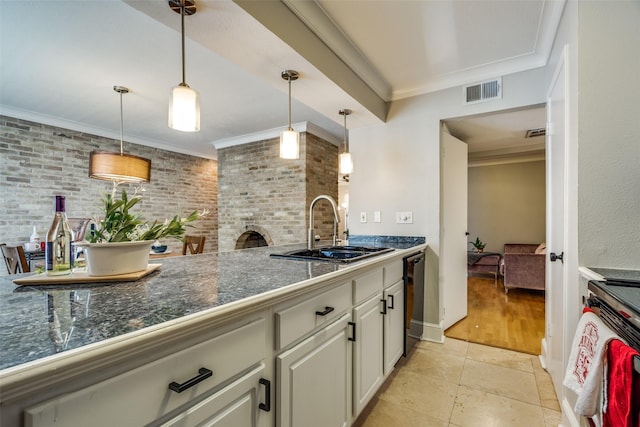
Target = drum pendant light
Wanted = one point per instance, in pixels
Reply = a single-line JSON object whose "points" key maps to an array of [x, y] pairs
{"points": [[121, 167], [289, 139], [184, 103], [346, 164]]}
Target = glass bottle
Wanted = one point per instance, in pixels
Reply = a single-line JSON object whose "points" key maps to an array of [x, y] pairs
{"points": [[58, 252]]}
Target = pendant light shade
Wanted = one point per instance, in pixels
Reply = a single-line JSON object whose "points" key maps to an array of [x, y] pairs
{"points": [[109, 166], [290, 144], [119, 167], [346, 164], [289, 139], [184, 102], [184, 109]]}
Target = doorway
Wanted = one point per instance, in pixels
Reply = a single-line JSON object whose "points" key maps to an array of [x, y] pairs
{"points": [[506, 204]]}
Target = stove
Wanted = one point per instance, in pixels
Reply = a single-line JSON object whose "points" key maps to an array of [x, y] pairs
{"points": [[617, 301]]}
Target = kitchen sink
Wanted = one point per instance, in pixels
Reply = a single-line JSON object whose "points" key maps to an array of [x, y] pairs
{"points": [[344, 254]]}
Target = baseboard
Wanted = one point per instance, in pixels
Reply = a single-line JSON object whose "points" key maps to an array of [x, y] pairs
{"points": [[543, 353], [433, 332]]}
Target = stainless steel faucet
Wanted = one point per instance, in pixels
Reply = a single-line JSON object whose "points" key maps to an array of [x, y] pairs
{"points": [[336, 220]]}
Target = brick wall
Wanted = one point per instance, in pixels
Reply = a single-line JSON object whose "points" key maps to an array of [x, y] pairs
{"points": [[39, 161], [259, 191]]}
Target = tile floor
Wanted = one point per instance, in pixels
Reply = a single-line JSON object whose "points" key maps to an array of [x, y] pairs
{"points": [[464, 384]]}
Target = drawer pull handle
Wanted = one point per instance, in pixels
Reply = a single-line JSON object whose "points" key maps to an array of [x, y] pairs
{"points": [[384, 306], [353, 329], [326, 311], [203, 374], [391, 302], [266, 406]]}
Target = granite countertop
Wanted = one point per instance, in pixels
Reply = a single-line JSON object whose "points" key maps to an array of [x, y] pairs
{"points": [[40, 321]]}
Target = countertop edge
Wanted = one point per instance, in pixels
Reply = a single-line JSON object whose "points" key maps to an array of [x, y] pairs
{"points": [[115, 354]]}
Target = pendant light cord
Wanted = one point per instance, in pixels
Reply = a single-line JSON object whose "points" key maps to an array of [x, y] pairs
{"points": [[182, 6], [346, 139], [289, 79], [121, 127]]}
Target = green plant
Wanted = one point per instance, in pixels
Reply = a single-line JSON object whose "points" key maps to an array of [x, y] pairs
{"points": [[478, 244], [120, 225]]}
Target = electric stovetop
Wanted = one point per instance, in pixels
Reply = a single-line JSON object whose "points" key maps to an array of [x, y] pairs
{"points": [[622, 285]]}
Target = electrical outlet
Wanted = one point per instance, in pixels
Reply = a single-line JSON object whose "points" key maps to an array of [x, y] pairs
{"points": [[377, 217], [363, 217], [404, 217]]}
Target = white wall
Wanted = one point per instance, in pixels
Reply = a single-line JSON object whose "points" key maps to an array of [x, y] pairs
{"points": [[609, 138], [397, 164], [506, 204]]}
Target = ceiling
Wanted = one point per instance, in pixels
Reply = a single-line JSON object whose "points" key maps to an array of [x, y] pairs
{"points": [[59, 61]]}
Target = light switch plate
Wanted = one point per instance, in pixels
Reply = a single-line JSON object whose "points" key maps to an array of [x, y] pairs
{"points": [[404, 217], [377, 217], [363, 217]]}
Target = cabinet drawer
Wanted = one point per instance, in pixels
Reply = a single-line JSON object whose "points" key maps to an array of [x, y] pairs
{"points": [[305, 315], [142, 395], [392, 273], [367, 285]]}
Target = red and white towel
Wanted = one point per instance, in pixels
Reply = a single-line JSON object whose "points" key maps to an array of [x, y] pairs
{"points": [[621, 401], [585, 374]]}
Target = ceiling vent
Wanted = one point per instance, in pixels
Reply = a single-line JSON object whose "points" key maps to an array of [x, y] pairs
{"points": [[483, 91], [536, 132]]}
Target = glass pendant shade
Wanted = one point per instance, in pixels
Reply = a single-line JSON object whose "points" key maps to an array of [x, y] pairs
{"points": [[290, 144], [184, 109], [117, 167], [346, 164]]}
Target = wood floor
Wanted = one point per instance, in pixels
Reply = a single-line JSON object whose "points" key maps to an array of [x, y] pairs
{"points": [[514, 321]]}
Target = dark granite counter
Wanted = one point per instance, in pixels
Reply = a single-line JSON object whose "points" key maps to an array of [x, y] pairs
{"points": [[40, 321]]}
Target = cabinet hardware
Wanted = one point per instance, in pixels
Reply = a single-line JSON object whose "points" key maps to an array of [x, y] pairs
{"points": [[353, 330], [391, 303], [203, 374], [326, 311], [266, 406], [384, 306]]}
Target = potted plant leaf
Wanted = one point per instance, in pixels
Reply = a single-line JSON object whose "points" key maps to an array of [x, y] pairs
{"points": [[121, 241], [478, 245]]}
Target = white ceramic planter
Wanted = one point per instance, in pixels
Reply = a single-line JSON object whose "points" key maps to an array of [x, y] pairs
{"points": [[109, 259]]}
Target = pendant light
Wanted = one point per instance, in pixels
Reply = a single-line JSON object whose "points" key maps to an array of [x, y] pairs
{"points": [[184, 103], [289, 139], [119, 167], [346, 164]]}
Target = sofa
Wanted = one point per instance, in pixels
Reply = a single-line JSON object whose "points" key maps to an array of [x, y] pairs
{"points": [[523, 266]]}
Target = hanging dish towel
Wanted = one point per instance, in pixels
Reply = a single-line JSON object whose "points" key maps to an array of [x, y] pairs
{"points": [[622, 399], [584, 373]]}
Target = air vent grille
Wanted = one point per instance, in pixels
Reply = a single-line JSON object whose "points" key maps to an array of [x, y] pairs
{"points": [[536, 132], [483, 91]]}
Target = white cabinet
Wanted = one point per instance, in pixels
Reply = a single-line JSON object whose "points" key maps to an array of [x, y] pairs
{"points": [[314, 379], [243, 403], [144, 394], [393, 325], [379, 330], [367, 353]]}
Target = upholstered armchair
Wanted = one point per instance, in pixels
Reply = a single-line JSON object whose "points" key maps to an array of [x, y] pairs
{"points": [[523, 266]]}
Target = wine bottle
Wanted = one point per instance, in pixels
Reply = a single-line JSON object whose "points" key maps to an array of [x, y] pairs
{"points": [[58, 252]]}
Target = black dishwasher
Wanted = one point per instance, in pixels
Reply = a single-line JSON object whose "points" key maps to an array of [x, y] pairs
{"points": [[413, 275]]}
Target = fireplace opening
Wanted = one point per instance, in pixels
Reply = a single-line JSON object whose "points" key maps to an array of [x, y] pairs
{"points": [[250, 239]]}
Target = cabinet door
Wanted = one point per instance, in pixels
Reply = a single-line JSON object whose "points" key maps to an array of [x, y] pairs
{"points": [[238, 404], [314, 379], [368, 348], [393, 325]]}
